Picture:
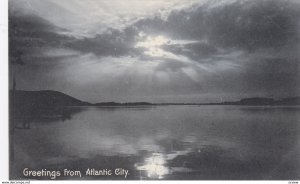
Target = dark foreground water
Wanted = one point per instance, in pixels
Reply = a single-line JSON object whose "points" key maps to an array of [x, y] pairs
{"points": [[163, 142]]}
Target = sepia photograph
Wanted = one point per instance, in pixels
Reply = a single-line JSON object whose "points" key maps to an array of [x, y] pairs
{"points": [[154, 89]]}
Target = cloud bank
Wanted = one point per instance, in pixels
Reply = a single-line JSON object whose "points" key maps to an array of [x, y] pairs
{"points": [[191, 51]]}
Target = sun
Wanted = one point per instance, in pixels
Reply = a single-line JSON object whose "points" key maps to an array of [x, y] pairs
{"points": [[153, 42], [152, 45]]}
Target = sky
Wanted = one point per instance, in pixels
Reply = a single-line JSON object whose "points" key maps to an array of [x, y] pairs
{"points": [[156, 50]]}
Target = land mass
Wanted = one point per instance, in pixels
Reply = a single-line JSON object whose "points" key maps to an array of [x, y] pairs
{"points": [[244, 101], [37, 101], [41, 103], [53, 103]]}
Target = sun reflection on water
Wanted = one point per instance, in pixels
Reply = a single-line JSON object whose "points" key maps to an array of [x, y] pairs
{"points": [[154, 166]]}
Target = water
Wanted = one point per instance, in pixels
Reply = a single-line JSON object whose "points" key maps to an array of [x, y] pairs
{"points": [[164, 142]]}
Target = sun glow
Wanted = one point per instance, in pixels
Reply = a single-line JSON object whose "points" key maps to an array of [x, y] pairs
{"points": [[153, 42], [153, 45]]}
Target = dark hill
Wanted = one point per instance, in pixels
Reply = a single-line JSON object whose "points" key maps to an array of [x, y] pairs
{"points": [[35, 103], [257, 101], [45, 98]]}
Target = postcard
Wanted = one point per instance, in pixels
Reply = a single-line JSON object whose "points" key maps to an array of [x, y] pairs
{"points": [[154, 90]]}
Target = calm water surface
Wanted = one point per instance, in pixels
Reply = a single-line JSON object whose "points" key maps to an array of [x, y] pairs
{"points": [[165, 142]]}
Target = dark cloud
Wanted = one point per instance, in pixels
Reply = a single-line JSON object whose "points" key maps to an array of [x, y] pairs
{"points": [[248, 25], [195, 51], [273, 74], [171, 65], [257, 30], [29, 33], [258, 25], [111, 43]]}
